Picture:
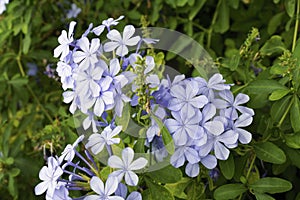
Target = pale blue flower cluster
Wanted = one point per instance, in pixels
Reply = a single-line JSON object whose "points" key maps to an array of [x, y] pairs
{"points": [[205, 120], [202, 117]]}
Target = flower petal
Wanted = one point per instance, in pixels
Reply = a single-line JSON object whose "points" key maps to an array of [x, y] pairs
{"points": [[131, 178], [138, 164]]}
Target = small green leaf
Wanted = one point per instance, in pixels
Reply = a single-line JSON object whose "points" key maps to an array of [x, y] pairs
{"points": [[274, 22], [269, 152], [264, 86], [295, 114], [178, 188], [195, 10], [278, 94], [14, 172], [222, 22], [125, 118], [234, 3], [271, 185], [227, 167], [272, 46], [292, 140], [229, 191], [168, 174], [290, 6], [157, 192], [260, 196], [166, 136], [181, 3], [26, 43], [280, 107]]}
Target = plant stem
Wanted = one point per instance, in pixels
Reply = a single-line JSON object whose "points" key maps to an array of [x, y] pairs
{"points": [[296, 26], [285, 113], [31, 91], [214, 19]]}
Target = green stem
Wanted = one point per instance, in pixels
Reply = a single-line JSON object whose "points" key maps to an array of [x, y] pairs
{"points": [[296, 26], [31, 91], [285, 113], [209, 32], [248, 173]]}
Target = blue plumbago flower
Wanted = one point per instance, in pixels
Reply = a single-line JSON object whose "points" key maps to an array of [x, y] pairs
{"points": [[209, 161], [65, 39], [65, 72], [121, 43], [122, 192], [72, 96], [234, 104], [162, 95], [73, 12], [243, 121], [107, 137], [185, 99], [49, 175], [114, 72], [103, 192], [218, 140], [69, 152], [3, 5], [32, 69], [87, 56], [87, 81], [208, 88], [106, 24], [185, 128], [126, 166], [119, 100], [90, 121]]}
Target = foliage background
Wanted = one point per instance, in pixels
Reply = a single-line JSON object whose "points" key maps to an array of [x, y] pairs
{"points": [[263, 62]]}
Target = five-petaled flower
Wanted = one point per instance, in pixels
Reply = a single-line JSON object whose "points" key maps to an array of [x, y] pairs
{"points": [[126, 166]]}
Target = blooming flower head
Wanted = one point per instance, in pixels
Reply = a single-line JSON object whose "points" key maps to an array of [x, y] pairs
{"points": [[120, 43], [49, 176], [97, 141], [73, 12], [65, 39], [126, 166], [87, 56]]}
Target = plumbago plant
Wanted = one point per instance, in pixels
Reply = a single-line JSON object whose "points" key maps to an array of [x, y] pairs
{"points": [[181, 127]]}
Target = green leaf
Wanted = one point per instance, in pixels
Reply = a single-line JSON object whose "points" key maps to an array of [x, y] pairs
{"points": [[260, 196], [290, 6], [264, 86], [14, 172], [234, 3], [276, 1], [274, 22], [26, 43], [278, 94], [195, 10], [222, 22], [229, 191], [157, 192], [168, 174], [269, 152], [280, 107], [166, 136], [271, 185], [195, 190], [181, 3], [272, 46], [292, 140], [177, 189], [227, 167], [295, 114], [18, 81]]}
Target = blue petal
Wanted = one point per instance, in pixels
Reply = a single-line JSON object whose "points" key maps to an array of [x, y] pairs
{"points": [[192, 170]]}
